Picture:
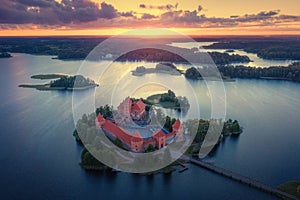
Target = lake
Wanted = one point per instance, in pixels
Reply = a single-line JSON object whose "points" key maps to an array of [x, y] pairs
{"points": [[40, 158]]}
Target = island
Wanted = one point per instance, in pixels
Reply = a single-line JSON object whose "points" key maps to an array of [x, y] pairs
{"points": [[62, 82], [169, 100], [107, 121], [161, 55], [166, 68], [5, 55]]}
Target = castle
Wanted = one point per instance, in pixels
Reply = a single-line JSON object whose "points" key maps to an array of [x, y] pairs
{"points": [[129, 110]]}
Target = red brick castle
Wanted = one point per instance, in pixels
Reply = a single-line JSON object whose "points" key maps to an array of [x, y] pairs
{"points": [[129, 110]]}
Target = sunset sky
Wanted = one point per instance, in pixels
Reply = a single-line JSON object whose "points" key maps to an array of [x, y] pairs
{"points": [[110, 17]]}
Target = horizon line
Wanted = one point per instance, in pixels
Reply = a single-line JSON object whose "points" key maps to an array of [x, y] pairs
{"points": [[151, 36]]}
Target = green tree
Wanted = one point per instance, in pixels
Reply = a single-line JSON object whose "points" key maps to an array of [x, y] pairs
{"points": [[87, 159], [77, 138], [118, 143], [150, 148], [84, 118], [235, 126], [168, 124]]}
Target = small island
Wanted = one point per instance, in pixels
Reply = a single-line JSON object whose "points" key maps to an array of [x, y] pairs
{"points": [[166, 68], [62, 82], [5, 55], [169, 100]]}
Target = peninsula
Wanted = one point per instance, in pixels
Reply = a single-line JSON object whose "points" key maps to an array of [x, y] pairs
{"points": [[194, 73]]}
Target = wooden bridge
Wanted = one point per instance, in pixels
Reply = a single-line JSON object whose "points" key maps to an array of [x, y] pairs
{"points": [[245, 180]]}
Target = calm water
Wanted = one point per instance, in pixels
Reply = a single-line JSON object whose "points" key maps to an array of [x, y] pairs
{"points": [[256, 61], [40, 157]]}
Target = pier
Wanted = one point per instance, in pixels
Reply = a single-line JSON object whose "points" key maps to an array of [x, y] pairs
{"points": [[245, 180], [184, 167]]}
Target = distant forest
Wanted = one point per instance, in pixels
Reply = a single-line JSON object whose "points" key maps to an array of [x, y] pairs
{"points": [[276, 47], [159, 55], [290, 73]]}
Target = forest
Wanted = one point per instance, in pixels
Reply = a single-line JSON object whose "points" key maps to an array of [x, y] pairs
{"points": [[289, 73], [275, 48]]}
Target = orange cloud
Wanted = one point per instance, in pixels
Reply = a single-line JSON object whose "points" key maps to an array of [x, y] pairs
{"points": [[89, 17]]}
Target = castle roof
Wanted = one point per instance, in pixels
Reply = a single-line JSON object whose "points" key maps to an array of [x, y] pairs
{"points": [[177, 125], [136, 137], [159, 133], [100, 118], [138, 106], [120, 133]]}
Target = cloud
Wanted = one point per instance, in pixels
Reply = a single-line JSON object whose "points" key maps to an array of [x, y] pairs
{"points": [[268, 14], [127, 14], [52, 12], [143, 6], [148, 16], [85, 14], [107, 11], [200, 8], [159, 7]]}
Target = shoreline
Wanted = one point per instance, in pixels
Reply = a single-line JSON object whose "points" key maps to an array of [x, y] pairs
{"points": [[46, 87], [154, 71]]}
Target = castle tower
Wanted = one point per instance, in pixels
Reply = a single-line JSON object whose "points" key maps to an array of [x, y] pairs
{"points": [[160, 138], [136, 142]]}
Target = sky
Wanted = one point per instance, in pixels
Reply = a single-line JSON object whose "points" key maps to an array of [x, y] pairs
{"points": [[112, 17]]}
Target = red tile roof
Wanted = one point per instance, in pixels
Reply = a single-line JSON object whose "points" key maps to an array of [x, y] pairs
{"points": [[170, 134], [149, 141], [138, 106], [100, 118], [177, 125], [120, 133], [159, 133], [127, 137], [136, 137]]}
